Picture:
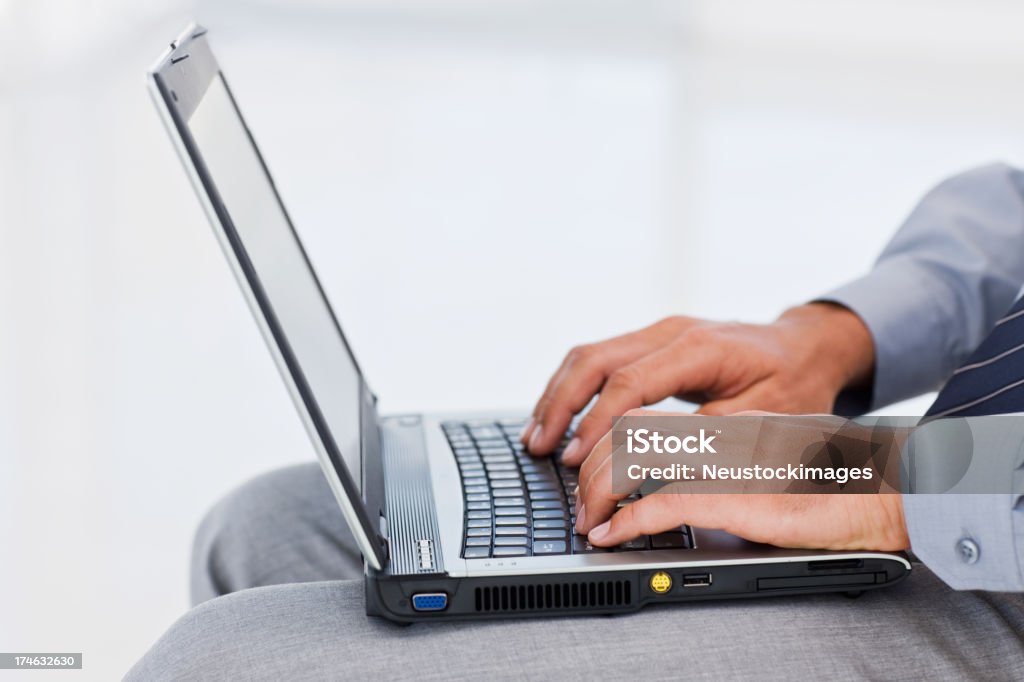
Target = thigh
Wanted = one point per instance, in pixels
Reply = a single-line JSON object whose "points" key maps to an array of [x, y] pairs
{"points": [[282, 527], [918, 629]]}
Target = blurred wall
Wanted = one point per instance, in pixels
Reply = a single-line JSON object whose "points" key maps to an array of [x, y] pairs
{"points": [[477, 184]]}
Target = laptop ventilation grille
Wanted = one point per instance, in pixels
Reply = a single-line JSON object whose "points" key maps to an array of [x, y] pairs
{"points": [[412, 526], [536, 597]]}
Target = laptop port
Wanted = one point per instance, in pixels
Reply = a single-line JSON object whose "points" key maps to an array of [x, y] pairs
{"points": [[430, 601], [697, 580], [661, 582]]}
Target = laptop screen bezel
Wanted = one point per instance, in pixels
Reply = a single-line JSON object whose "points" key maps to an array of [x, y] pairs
{"points": [[179, 81]]}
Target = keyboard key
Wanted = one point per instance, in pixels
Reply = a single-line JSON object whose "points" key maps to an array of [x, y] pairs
{"points": [[549, 535], [478, 532], [546, 504], [476, 489], [511, 511], [546, 495], [510, 521], [508, 483], [478, 523], [509, 502], [502, 466], [549, 514], [508, 492], [477, 552], [510, 551], [580, 545], [478, 498], [510, 541], [478, 506], [499, 475], [549, 547], [549, 523], [537, 486], [545, 477], [502, 531], [478, 542], [634, 544], [668, 541], [478, 515], [495, 450], [485, 432]]}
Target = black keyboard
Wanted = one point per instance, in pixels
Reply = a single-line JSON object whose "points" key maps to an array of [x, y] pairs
{"points": [[519, 505]]}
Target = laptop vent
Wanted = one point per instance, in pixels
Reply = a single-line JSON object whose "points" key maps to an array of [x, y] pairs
{"points": [[536, 597]]}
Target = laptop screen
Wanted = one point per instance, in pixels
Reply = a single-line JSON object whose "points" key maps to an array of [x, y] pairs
{"points": [[280, 265]]}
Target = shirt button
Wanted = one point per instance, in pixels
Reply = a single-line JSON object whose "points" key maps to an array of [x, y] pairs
{"points": [[968, 550]]}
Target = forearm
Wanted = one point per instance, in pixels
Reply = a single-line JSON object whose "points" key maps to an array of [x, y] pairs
{"points": [[952, 269]]}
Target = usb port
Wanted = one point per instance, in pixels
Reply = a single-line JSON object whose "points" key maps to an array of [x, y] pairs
{"points": [[697, 580]]}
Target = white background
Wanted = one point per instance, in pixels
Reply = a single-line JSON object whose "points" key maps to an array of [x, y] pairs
{"points": [[481, 186]]}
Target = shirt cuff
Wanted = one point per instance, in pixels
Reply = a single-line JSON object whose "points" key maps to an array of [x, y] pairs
{"points": [[969, 541], [907, 362]]}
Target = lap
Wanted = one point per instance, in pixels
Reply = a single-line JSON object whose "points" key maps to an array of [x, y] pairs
{"points": [[282, 527], [919, 628]]}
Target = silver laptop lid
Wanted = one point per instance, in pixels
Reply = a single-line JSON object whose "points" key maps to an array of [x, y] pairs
{"points": [[277, 278]]}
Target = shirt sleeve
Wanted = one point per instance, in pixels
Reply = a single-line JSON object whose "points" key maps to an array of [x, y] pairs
{"points": [[964, 507], [972, 542], [952, 269]]}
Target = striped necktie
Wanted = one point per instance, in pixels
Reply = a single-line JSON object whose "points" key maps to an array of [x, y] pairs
{"points": [[992, 379]]}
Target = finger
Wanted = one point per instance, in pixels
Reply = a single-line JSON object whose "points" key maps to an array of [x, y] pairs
{"points": [[647, 516], [581, 375], [599, 491], [595, 498], [664, 511], [681, 365]]}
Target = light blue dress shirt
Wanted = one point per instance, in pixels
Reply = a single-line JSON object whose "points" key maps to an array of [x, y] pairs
{"points": [[953, 268]]}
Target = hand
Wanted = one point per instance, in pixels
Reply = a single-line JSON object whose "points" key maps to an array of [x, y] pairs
{"points": [[797, 364], [818, 521], [869, 522]]}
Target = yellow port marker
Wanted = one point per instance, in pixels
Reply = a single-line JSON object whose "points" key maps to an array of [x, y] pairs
{"points": [[661, 582]]}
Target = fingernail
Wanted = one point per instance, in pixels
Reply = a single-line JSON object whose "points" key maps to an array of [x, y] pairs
{"points": [[524, 436], [581, 516], [535, 437], [570, 450], [599, 532], [576, 491]]}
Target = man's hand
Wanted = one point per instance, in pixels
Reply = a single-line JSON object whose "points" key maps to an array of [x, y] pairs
{"points": [[873, 522], [797, 364], [819, 521]]}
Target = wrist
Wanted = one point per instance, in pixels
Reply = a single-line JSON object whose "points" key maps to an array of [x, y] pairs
{"points": [[837, 343], [895, 535]]}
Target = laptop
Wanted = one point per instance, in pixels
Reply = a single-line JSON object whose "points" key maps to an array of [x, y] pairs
{"points": [[454, 520]]}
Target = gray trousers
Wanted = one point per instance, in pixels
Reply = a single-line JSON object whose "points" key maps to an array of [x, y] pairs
{"points": [[278, 590]]}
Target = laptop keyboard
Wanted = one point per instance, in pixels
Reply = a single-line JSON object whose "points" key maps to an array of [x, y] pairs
{"points": [[518, 505]]}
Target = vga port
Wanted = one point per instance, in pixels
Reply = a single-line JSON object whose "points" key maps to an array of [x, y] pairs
{"points": [[430, 601]]}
